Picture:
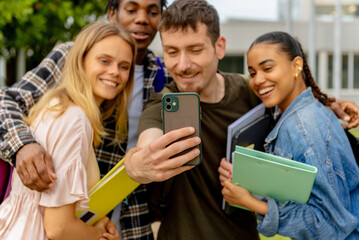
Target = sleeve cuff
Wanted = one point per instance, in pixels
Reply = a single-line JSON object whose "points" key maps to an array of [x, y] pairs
{"points": [[10, 155], [268, 224]]}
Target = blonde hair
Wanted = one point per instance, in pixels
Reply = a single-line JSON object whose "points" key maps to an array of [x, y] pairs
{"points": [[76, 89]]}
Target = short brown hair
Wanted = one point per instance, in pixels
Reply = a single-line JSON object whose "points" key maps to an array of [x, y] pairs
{"points": [[183, 13]]}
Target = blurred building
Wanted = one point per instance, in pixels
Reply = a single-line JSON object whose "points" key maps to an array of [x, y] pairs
{"points": [[240, 33]]}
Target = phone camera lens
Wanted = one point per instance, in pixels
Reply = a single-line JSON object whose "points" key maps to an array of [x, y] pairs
{"points": [[168, 99], [168, 107]]}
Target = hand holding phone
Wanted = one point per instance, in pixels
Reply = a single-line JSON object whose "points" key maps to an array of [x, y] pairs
{"points": [[182, 110]]}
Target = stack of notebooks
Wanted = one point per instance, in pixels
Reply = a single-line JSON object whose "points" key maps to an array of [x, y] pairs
{"points": [[265, 174], [250, 130], [261, 173], [113, 188]]}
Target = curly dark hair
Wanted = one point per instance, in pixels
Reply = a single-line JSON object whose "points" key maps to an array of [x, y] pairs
{"points": [[114, 4]]}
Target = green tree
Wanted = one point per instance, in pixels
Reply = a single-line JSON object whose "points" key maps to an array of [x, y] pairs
{"points": [[37, 25]]}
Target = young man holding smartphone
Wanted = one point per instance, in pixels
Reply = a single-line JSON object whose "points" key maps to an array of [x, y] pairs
{"points": [[192, 46]]}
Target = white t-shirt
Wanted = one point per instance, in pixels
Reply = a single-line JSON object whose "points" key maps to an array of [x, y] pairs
{"points": [[135, 107], [134, 114]]}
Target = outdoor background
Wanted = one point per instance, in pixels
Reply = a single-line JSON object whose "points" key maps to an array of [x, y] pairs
{"points": [[327, 29], [29, 29]]}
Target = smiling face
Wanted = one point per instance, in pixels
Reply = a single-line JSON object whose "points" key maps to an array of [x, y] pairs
{"points": [[191, 58], [273, 75], [140, 18], [107, 66]]}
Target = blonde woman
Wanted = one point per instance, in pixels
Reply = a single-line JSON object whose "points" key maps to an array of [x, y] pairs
{"points": [[67, 122]]}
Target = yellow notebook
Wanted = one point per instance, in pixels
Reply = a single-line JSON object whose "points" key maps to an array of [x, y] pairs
{"points": [[107, 194]]}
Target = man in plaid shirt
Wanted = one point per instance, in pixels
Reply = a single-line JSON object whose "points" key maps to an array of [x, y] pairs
{"points": [[34, 165]]}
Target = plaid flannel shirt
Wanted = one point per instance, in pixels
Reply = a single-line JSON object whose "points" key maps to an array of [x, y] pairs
{"points": [[14, 133]]}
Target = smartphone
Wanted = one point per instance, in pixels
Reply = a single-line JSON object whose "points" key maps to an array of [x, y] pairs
{"points": [[182, 110]]}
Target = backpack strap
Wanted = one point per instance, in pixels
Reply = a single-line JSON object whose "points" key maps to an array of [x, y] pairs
{"points": [[159, 81]]}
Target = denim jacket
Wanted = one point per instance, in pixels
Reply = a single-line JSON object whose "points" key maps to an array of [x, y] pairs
{"points": [[309, 132]]}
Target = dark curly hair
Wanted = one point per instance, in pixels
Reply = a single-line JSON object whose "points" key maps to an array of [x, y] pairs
{"points": [[114, 4]]}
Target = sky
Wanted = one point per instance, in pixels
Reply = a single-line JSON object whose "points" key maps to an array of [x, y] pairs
{"points": [[245, 9]]}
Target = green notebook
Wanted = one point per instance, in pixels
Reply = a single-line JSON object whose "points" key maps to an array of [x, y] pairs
{"points": [[265, 174]]}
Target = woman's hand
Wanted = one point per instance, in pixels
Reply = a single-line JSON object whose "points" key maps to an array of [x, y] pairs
{"points": [[234, 194], [111, 232], [225, 171], [237, 195], [101, 225]]}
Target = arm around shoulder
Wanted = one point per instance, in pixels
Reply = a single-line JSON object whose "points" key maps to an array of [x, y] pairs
{"points": [[19, 98], [16, 135], [347, 111]]}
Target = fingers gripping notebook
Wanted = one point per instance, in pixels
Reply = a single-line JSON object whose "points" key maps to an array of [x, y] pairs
{"points": [[265, 174]]}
